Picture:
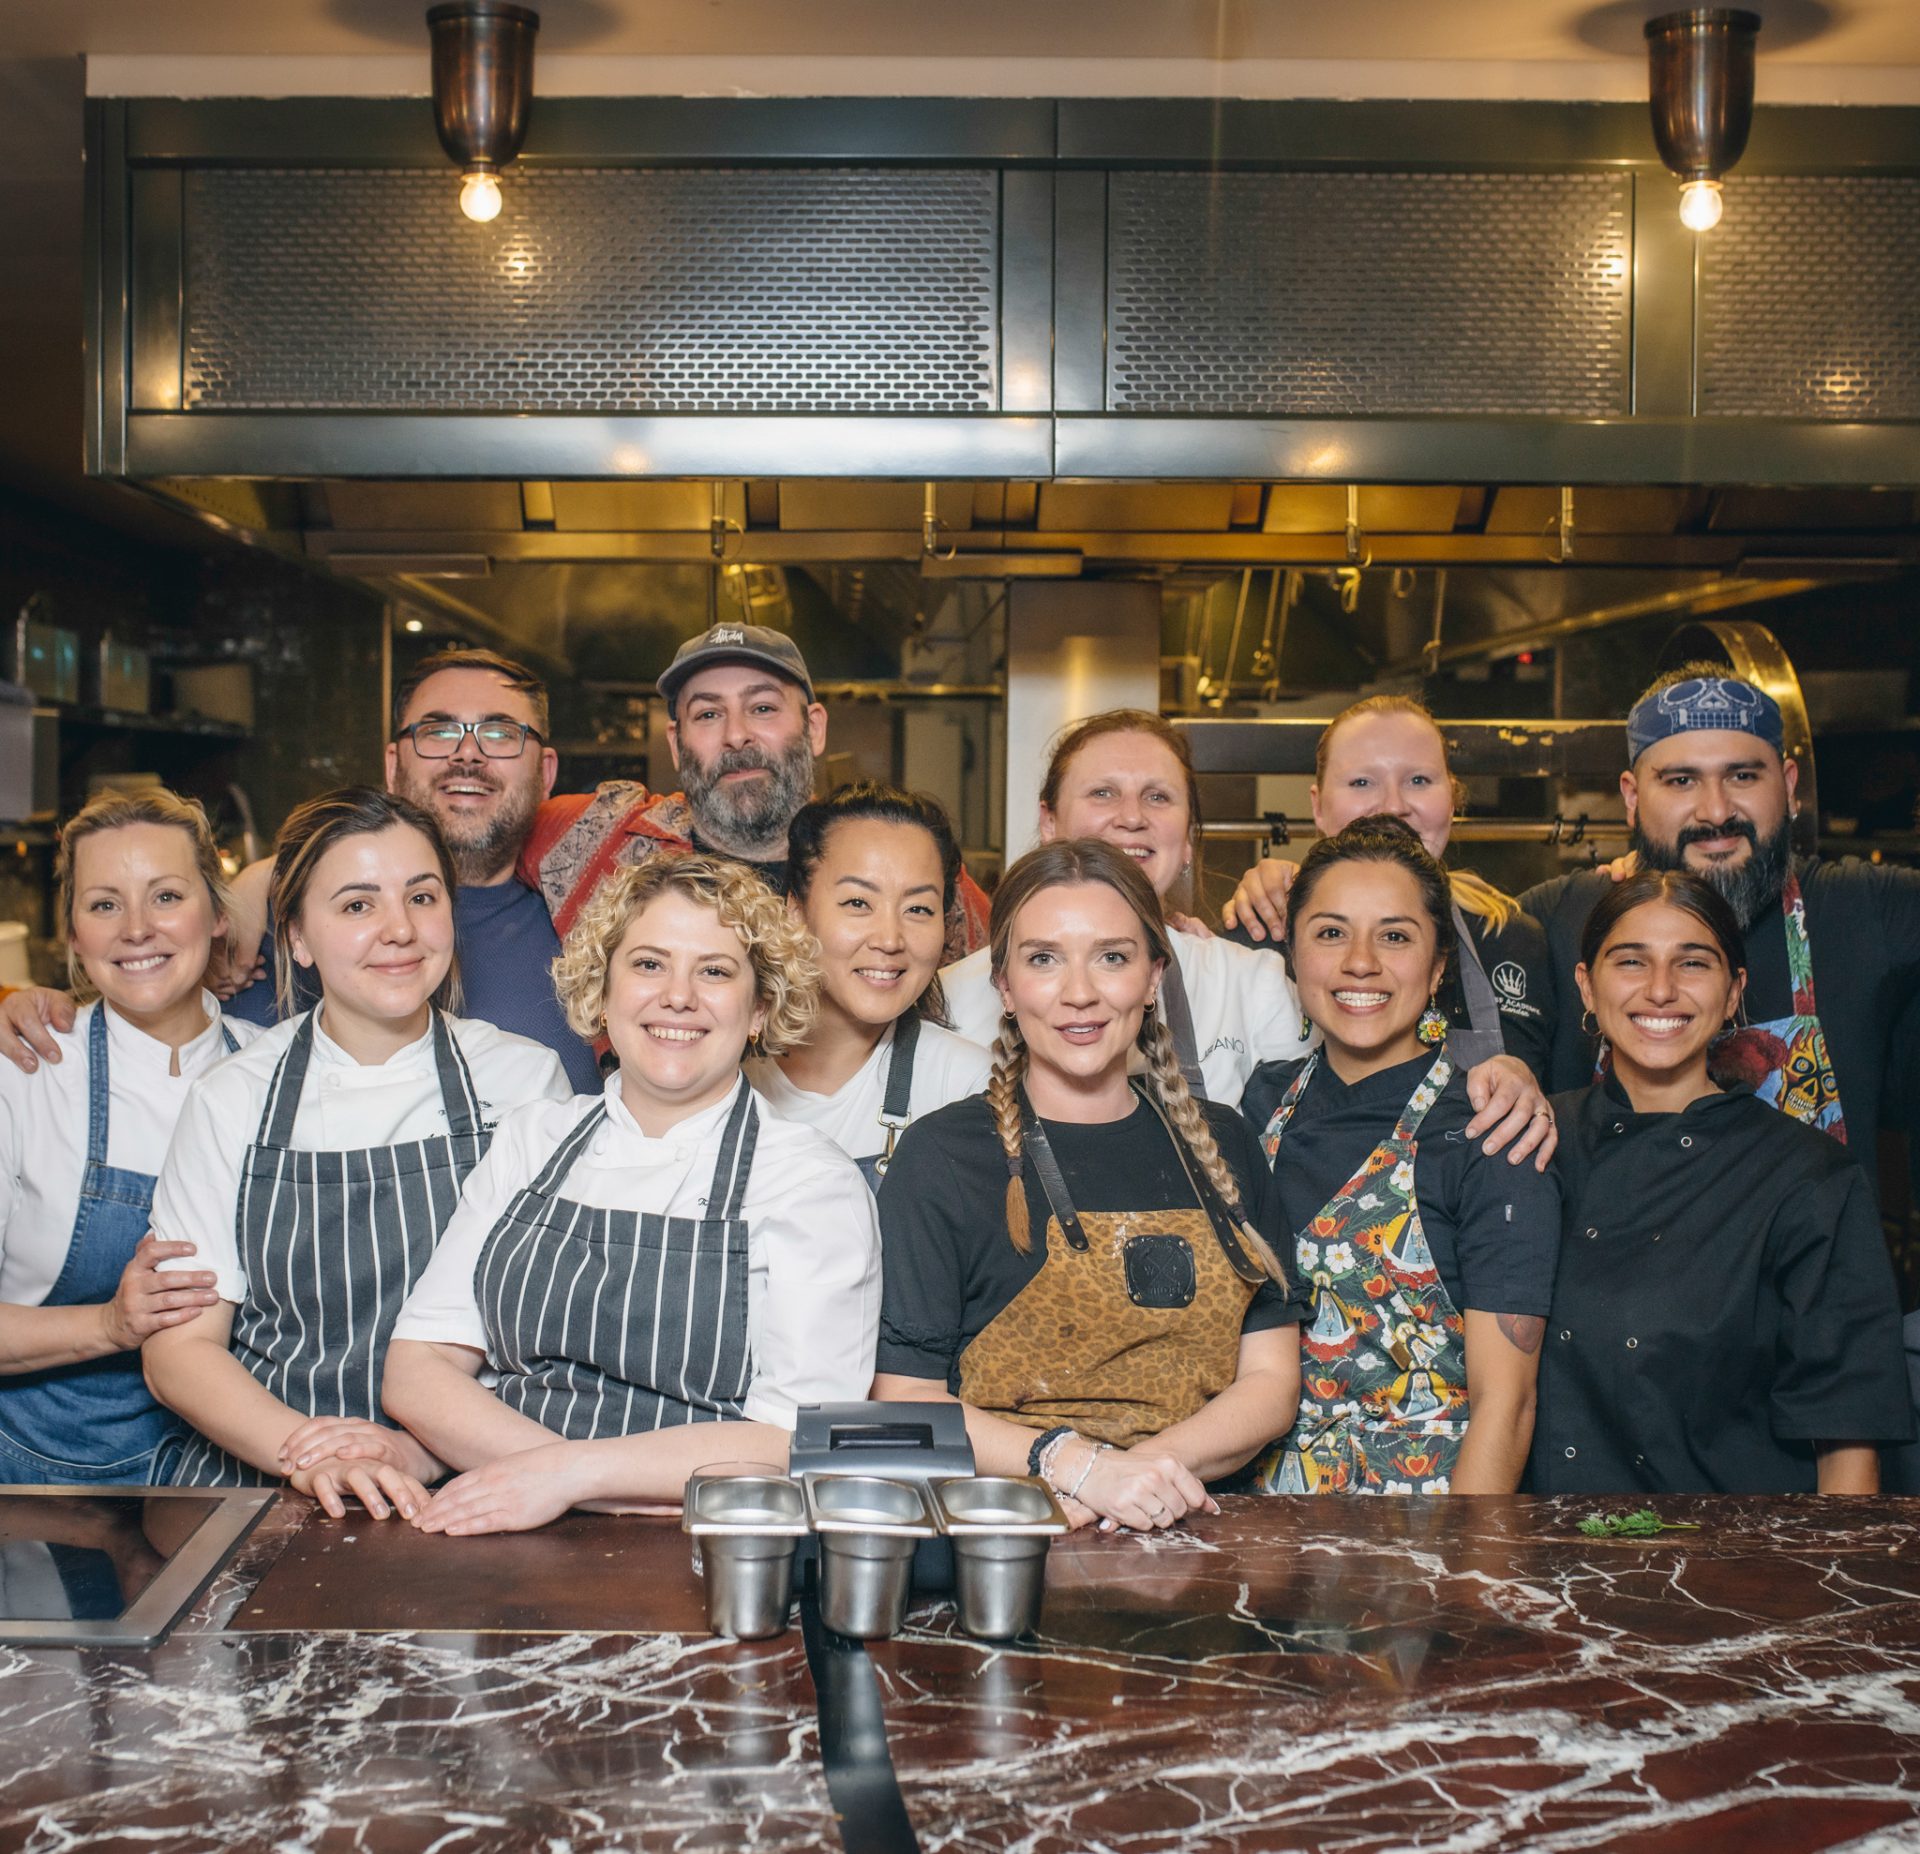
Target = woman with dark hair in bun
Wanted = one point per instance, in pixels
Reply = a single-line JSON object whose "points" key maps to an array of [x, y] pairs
{"points": [[1725, 1319], [871, 874], [1430, 1263]]}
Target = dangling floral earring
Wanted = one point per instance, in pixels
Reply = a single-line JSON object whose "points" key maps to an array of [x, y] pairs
{"points": [[1433, 1024]]}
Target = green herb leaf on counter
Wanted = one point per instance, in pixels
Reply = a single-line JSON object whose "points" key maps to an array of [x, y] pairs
{"points": [[1641, 1525]]}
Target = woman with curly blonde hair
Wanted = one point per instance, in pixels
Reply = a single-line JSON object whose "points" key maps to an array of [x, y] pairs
{"points": [[660, 1275], [1084, 1262]]}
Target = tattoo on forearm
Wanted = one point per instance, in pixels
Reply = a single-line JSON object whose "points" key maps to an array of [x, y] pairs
{"points": [[1525, 1331]]}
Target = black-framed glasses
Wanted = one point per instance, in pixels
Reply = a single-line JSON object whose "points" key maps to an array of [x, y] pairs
{"points": [[497, 740]]}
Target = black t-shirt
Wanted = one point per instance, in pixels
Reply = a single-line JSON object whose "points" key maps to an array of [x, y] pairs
{"points": [[1724, 1302], [1493, 1228], [1516, 962], [1863, 923], [951, 1267]]}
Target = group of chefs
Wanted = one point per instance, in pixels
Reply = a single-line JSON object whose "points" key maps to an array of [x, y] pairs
{"points": [[545, 1149]]}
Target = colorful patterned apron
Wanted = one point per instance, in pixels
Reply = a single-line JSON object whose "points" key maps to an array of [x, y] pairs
{"points": [[1784, 1060], [1383, 1393]]}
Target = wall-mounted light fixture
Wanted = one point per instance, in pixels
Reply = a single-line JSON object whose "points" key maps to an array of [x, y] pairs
{"points": [[1700, 79], [482, 92]]}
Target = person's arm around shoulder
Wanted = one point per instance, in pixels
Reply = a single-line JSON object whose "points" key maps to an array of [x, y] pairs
{"points": [[1258, 905], [29, 1016]]}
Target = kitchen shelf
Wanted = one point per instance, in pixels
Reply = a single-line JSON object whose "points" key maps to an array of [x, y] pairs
{"points": [[116, 719]]}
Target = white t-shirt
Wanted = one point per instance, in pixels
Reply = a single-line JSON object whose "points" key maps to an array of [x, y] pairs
{"points": [[1245, 1009], [344, 1106], [813, 1237], [946, 1068], [43, 1133]]}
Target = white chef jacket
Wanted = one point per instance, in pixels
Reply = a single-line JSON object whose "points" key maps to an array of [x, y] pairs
{"points": [[43, 1133], [813, 1237], [946, 1068], [1245, 1009], [344, 1106]]}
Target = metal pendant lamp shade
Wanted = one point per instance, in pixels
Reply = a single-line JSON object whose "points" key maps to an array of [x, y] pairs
{"points": [[1701, 88], [482, 90]]}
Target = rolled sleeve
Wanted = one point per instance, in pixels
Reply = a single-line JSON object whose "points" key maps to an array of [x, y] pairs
{"points": [[817, 1315], [197, 1195], [1506, 1235]]}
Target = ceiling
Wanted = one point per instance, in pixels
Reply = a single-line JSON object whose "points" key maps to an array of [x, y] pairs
{"points": [[52, 51]]}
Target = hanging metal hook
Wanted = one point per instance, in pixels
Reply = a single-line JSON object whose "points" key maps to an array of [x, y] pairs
{"points": [[931, 524]]}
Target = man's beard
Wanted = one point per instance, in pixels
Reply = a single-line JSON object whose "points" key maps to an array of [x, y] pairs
{"points": [[1750, 888], [751, 819], [483, 847]]}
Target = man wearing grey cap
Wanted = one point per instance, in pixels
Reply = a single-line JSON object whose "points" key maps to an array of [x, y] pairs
{"points": [[744, 730]]}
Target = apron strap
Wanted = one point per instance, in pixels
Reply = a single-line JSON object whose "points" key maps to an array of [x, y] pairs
{"points": [[457, 1092], [1052, 1181], [560, 1160], [734, 1164], [283, 1096], [1179, 1010], [97, 1085], [1483, 1037], [1225, 1229], [896, 1108]]}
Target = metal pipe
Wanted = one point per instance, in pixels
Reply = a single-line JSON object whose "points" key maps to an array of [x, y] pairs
{"points": [[1557, 830]]}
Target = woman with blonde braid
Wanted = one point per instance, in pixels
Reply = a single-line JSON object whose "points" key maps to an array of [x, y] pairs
{"points": [[1084, 1262]]}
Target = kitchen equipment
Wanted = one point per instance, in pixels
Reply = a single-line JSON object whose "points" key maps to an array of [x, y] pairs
{"points": [[869, 1530], [902, 1441], [1000, 1529], [746, 1521], [216, 691], [47, 659], [16, 752], [14, 969], [126, 677]]}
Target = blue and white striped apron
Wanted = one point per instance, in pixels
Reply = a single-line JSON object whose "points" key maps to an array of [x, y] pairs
{"points": [[331, 1243], [610, 1322]]}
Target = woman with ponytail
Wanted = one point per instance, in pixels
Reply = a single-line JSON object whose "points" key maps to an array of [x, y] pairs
{"points": [[1429, 1263], [1086, 1262]]}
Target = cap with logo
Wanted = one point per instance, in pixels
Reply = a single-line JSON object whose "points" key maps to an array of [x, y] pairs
{"points": [[735, 643]]}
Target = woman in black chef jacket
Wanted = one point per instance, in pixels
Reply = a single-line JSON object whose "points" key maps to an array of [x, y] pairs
{"points": [[1078, 1259], [1725, 1319], [1430, 1262]]}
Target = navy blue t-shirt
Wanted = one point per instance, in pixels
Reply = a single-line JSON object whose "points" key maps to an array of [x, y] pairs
{"points": [[507, 946]]}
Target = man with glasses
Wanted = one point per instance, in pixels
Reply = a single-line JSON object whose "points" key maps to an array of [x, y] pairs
{"points": [[469, 743]]}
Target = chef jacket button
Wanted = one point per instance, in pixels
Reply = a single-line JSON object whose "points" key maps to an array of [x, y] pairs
{"points": [[1632, 1343], [1565, 1334], [1639, 1461], [1656, 1235], [1571, 1453], [1619, 1126], [1686, 1139], [1591, 1234]]}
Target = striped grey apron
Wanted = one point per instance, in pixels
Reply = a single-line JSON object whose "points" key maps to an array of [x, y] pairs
{"points": [[609, 1322], [331, 1242]]}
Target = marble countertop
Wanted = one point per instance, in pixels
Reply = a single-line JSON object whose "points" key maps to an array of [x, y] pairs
{"points": [[1315, 1674]]}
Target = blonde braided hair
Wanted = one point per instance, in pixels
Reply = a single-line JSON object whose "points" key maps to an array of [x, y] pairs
{"points": [[1169, 1084], [1003, 1097], [1071, 862]]}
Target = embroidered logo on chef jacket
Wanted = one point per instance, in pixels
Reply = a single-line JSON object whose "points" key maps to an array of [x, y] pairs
{"points": [[1510, 987], [1224, 1042]]}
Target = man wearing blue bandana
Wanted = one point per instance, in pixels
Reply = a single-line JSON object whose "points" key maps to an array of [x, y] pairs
{"points": [[1833, 947]]}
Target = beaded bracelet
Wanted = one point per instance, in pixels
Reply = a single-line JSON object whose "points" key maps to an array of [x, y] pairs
{"points": [[1041, 1443], [1050, 1453]]}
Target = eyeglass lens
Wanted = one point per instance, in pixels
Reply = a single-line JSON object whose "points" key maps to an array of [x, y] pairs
{"points": [[497, 740]]}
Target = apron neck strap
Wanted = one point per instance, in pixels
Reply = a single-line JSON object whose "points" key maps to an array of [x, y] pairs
{"points": [[1052, 1181], [560, 1160], [896, 1106], [1225, 1229], [731, 1169], [1179, 1012], [457, 1094], [97, 1085], [1482, 1038]]}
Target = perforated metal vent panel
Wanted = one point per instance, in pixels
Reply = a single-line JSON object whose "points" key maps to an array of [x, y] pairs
{"points": [[1335, 295], [744, 290], [1810, 300]]}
